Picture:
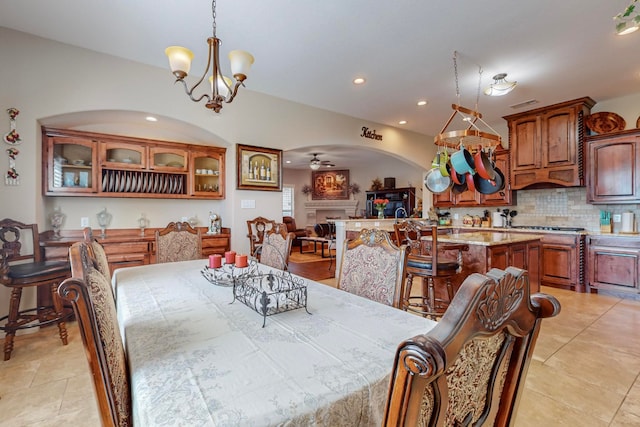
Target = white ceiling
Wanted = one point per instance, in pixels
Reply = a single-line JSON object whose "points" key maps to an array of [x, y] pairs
{"points": [[309, 51]]}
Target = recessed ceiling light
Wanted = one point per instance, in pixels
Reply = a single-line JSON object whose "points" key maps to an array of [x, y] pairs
{"points": [[288, 161], [422, 102], [402, 122], [359, 81], [151, 119]]}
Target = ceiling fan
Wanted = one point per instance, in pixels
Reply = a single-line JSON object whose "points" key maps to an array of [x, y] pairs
{"points": [[315, 162]]}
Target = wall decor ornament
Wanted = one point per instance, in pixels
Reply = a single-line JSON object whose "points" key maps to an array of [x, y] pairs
{"points": [[12, 138], [330, 185], [258, 168]]}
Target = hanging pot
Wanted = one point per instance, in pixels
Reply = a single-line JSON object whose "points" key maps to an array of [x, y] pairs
{"points": [[455, 176], [435, 182], [471, 186], [444, 162], [462, 161], [459, 188], [483, 165], [489, 186]]}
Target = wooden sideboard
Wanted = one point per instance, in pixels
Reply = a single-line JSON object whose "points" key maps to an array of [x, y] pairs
{"points": [[128, 247]]}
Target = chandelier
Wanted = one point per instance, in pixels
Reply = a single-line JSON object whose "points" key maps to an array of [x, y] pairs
{"points": [[627, 21], [222, 88]]}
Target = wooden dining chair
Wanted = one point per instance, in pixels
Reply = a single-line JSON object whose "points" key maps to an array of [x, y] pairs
{"points": [[276, 247], [22, 265], [90, 294], [373, 267], [178, 241], [429, 262], [257, 228], [97, 252], [470, 369]]}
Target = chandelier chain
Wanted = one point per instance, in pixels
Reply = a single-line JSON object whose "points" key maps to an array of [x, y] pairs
{"points": [[455, 71], [213, 14], [479, 87]]}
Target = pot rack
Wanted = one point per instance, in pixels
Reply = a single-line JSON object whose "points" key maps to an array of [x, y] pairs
{"points": [[477, 134]]}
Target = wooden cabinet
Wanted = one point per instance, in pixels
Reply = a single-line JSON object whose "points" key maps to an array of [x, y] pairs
{"points": [[614, 264], [563, 261], [70, 166], [613, 173], [398, 198], [79, 163], [474, 199], [547, 145], [208, 173], [126, 247], [524, 255]]}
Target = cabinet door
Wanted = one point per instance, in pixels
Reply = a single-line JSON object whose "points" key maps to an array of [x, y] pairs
{"points": [[467, 198], [121, 155], [168, 159], [613, 268], [207, 174], [442, 200], [498, 257], [613, 174], [71, 166], [524, 143], [559, 138]]}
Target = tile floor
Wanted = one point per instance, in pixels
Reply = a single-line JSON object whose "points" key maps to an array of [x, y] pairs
{"points": [[584, 373]]}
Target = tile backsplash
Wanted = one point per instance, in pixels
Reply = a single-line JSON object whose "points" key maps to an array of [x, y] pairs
{"points": [[563, 207]]}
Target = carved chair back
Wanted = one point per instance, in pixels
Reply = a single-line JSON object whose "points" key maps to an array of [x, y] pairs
{"points": [[91, 296], [96, 251], [178, 241], [276, 247], [470, 369], [257, 228], [373, 267]]}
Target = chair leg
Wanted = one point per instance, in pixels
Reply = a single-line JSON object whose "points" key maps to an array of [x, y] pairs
{"points": [[431, 297], [59, 309], [407, 292], [12, 321]]}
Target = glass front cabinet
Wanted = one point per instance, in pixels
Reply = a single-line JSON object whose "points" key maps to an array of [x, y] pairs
{"points": [[77, 163], [72, 166], [207, 172]]}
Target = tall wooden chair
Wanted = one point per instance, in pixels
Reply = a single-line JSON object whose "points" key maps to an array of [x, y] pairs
{"points": [[178, 241], [428, 262], [470, 369], [276, 247], [257, 228], [22, 266], [91, 296], [96, 251], [373, 267]]}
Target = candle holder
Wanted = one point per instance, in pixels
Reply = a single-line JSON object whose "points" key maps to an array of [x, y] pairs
{"points": [[104, 219], [228, 274], [56, 218], [143, 223]]}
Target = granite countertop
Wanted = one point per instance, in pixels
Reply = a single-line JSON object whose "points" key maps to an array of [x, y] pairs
{"points": [[487, 238]]}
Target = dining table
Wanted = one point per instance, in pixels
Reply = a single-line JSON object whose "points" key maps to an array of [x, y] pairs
{"points": [[197, 357]]}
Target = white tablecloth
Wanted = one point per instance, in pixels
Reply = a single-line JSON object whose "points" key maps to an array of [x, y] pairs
{"points": [[197, 360]]}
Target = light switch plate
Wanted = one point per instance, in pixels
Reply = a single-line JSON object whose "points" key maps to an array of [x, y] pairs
{"points": [[617, 218], [84, 221]]}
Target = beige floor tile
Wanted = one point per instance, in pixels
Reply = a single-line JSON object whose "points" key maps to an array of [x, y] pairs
{"points": [[538, 410], [25, 406], [17, 375], [573, 392], [625, 419]]}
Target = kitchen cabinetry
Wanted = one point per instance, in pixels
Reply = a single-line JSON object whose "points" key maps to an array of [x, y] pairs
{"points": [[79, 163], [398, 198], [614, 264], [525, 255], [613, 167], [547, 145], [504, 197]]}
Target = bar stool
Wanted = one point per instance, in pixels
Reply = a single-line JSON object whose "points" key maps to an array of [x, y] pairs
{"points": [[22, 267], [432, 270]]}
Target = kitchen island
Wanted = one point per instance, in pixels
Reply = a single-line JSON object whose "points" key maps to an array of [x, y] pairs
{"points": [[487, 249]]}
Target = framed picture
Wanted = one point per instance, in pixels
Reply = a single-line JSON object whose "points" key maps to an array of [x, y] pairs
{"points": [[330, 185], [259, 168]]}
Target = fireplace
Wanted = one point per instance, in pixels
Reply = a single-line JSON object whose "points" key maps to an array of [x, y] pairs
{"points": [[318, 210]]}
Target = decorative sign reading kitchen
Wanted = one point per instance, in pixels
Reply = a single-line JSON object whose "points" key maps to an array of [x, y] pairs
{"points": [[371, 134]]}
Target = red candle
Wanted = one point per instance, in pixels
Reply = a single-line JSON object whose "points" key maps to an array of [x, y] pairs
{"points": [[229, 257], [215, 261], [241, 261]]}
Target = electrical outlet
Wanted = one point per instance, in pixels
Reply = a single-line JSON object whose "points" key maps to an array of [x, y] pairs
{"points": [[84, 221], [617, 218], [456, 216]]}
